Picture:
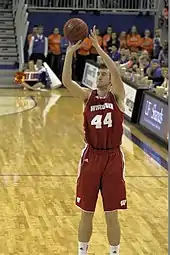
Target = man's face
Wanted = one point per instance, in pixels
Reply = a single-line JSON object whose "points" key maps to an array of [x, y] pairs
{"points": [[56, 31], [109, 30], [35, 30], [39, 63], [103, 78], [154, 65], [40, 30]]}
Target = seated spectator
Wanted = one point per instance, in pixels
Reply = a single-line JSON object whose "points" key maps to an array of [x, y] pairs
{"points": [[163, 89], [147, 42], [30, 66], [39, 65], [163, 55], [165, 84], [123, 40], [144, 64], [113, 41], [135, 68], [127, 52], [154, 73], [133, 60], [134, 40], [144, 54], [107, 37], [124, 56], [114, 53], [36, 79], [156, 43], [30, 81]]}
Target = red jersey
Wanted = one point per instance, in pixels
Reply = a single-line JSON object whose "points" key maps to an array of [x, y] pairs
{"points": [[103, 122]]}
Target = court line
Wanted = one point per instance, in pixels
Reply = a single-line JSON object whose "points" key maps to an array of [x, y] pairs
{"points": [[75, 175], [146, 148], [22, 111]]}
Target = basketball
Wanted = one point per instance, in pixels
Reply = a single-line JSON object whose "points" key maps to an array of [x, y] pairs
{"points": [[75, 29]]}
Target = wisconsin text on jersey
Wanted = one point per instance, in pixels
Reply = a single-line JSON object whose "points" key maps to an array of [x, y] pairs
{"points": [[101, 107]]}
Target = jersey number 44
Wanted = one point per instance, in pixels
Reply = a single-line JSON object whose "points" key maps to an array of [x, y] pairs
{"points": [[98, 123]]}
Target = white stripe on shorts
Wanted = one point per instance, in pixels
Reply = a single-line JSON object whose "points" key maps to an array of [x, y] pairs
{"points": [[79, 165]]}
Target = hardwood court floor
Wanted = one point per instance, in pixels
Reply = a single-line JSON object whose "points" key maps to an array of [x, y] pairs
{"points": [[39, 154]]}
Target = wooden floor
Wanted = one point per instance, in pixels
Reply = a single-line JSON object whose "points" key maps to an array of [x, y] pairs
{"points": [[39, 154]]}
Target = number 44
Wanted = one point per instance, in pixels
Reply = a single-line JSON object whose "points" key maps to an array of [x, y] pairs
{"points": [[97, 120]]}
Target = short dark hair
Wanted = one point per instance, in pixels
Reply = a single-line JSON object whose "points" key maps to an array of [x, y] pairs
{"points": [[103, 66]]}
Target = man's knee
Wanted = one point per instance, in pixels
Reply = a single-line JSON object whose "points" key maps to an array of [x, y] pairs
{"points": [[87, 217], [112, 218], [85, 227], [113, 228]]}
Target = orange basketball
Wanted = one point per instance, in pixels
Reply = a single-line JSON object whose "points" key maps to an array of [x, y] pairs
{"points": [[75, 29]]}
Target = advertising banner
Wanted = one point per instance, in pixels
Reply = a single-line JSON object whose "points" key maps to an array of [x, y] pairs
{"points": [[154, 116]]}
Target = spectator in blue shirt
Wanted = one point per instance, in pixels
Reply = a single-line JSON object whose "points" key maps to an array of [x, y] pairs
{"points": [[124, 56], [114, 53], [38, 46], [154, 73]]}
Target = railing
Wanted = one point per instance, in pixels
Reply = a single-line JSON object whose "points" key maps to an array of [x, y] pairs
{"points": [[21, 25], [98, 5]]}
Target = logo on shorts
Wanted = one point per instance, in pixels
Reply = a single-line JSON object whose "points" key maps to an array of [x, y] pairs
{"points": [[86, 160], [78, 199], [123, 202]]}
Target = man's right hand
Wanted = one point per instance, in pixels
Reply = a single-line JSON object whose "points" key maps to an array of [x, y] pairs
{"points": [[73, 47]]}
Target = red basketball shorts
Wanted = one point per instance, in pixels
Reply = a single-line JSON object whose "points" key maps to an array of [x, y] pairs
{"points": [[101, 170]]}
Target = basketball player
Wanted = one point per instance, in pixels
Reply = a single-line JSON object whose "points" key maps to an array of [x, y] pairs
{"points": [[101, 165]]}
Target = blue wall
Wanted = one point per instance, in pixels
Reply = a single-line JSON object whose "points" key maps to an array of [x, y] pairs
{"points": [[119, 22]]}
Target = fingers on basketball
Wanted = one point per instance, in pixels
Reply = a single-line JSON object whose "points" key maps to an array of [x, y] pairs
{"points": [[94, 29], [78, 45], [93, 32]]}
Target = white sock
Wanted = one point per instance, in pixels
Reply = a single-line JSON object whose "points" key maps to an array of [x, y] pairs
{"points": [[114, 249], [82, 249]]}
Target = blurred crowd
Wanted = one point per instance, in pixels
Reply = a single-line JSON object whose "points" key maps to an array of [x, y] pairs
{"points": [[139, 54]]}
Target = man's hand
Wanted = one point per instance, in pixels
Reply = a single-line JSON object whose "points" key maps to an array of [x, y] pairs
{"points": [[73, 47], [93, 37]]}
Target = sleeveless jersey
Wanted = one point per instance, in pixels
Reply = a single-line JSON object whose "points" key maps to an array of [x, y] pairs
{"points": [[103, 122]]}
